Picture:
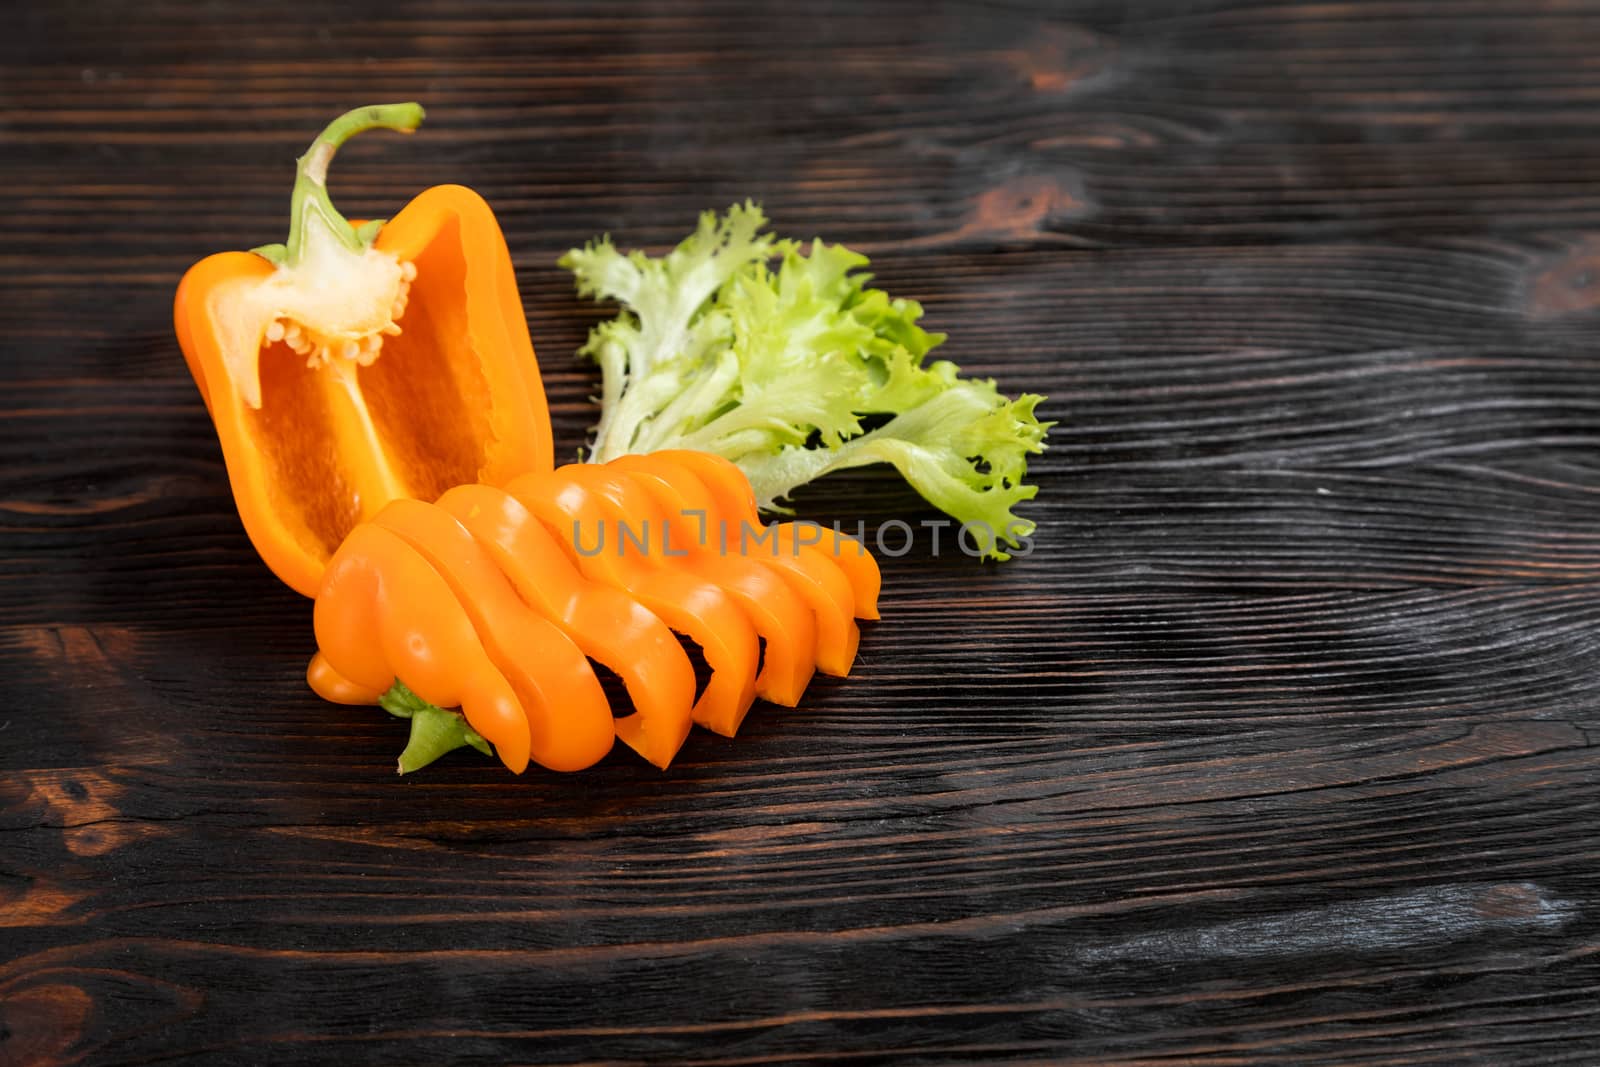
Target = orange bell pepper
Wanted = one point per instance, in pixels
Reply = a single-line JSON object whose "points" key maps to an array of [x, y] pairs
{"points": [[361, 369], [383, 613], [716, 486], [568, 717], [359, 364], [576, 499], [606, 623], [492, 599], [669, 522]]}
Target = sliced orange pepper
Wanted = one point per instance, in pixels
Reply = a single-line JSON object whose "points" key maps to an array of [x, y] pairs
{"points": [[332, 686], [384, 613], [811, 574], [846, 552], [606, 623], [785, 624], [577, 498], [355, 365], [736, 504], [536, 602], [569, 718]]}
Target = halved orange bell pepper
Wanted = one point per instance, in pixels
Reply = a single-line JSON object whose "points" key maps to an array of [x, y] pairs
{"points": [[359, 364], [360, 370]]}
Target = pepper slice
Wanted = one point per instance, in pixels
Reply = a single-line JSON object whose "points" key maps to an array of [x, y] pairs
{"points": [[812, 575], [384, 613], [358, 364], [606, 623], [845, 552], [785, 623], [574, 500], [334, 687], [569, 718], [735, 503]]}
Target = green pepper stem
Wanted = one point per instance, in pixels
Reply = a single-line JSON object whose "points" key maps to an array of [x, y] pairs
{"points": [[434, 731], [309, 204]]}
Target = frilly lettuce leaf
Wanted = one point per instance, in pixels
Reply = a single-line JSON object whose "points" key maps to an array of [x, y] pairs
{"points": [[775, 368]]}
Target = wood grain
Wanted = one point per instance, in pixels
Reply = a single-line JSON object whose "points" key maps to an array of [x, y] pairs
{"points": [[1278, 747]]}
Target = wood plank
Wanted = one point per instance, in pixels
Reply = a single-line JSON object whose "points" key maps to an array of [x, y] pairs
{"points": [[1278, 747]]}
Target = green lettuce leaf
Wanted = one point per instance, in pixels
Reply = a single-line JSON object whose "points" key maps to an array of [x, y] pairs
{"points": [[772, 353]]}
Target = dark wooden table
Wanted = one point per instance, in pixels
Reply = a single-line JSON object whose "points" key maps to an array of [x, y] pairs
{"points": [[1277, 749]]}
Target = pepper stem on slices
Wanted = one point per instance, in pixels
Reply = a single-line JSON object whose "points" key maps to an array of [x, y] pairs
{"points": [[434, 730], [333, 297]]}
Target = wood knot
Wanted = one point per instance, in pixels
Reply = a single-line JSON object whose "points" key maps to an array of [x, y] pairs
{"points": [[1021, 208], [41, 1024], [1056, 58], [35, 901], [85, 805]]}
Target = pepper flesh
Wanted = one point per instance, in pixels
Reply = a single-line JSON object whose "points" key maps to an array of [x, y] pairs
{"points": [[785, 625], [575, 498], [606, 623], [824, 585], [441, 388], [568, 716], [384, 613], [509, 583]]}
